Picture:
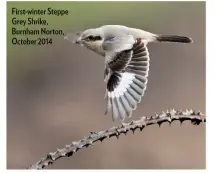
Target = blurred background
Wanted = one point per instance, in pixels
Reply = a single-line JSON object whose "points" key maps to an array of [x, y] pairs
{"points": [[55, 93]]}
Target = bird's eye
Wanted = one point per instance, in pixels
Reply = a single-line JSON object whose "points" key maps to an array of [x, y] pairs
{"points": [[91, 37]]}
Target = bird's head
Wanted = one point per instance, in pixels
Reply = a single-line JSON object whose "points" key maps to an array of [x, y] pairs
{"points": [[90, 38]]}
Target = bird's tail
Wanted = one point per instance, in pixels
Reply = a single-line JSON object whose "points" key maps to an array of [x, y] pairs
{"points": [[174, 38]]}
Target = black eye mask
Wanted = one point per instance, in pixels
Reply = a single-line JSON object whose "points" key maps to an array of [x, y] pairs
{"points": [[93, 38]]}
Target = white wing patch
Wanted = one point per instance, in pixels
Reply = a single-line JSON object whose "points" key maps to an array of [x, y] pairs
{"points": [[126, 80]]}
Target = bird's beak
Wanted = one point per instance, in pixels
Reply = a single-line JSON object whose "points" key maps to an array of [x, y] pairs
{"points": [[73, 38], [78, 40]]}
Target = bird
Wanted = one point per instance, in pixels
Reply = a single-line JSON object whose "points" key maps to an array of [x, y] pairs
{"points": [[126, 62]]}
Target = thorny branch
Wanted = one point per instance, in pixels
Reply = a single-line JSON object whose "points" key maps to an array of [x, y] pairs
{"points": [[195, 117]]}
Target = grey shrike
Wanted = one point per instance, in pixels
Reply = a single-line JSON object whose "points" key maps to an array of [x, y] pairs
{"points": [[126, 62]]}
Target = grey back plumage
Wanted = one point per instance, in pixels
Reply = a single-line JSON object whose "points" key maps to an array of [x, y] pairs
{"points": [[120, 30]]}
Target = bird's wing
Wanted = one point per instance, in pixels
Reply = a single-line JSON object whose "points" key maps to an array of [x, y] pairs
{"points": [[126, 75]]}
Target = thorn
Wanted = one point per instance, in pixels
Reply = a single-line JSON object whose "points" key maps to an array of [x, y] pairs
{"points": [[133, 130], [74, 143], [70, 154], [156, 115], [151, 118], [117, 133], [93, 133], [199, 113], [141, 127], [143, 118], [59, 150], [159, 123], [80, 146], [74, 150], [173, 112], [181, 121], [68, 146], [163, 113], [170, 121], [102, 138], [107, 131], [125, 132], [50, 163], [195, 122], [89, 137], [147, 118], [87, 145], [193, 113], [124, 124], [51, 155], [78, 149]]}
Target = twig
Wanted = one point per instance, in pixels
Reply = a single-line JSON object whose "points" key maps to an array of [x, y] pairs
{"points": [[195, 117]]}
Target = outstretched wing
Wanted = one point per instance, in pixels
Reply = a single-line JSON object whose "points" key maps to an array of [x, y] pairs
{"points": [[126, 76]]}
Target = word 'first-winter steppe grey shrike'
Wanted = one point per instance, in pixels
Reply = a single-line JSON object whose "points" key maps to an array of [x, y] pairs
{"points": [[126, 62]]}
